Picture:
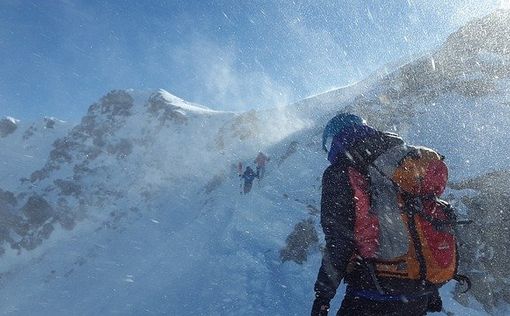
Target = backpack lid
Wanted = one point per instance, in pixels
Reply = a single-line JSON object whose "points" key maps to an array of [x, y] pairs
{"points": [[422, 172], [414, 169], [388, 161]]}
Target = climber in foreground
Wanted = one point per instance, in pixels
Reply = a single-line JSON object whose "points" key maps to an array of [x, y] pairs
{"points": [[388, 236]]}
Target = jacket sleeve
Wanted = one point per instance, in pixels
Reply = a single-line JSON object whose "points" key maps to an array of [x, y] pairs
{"points": [[337, 220]]}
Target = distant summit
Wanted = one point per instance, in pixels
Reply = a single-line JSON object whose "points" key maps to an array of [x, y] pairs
{"points": [[7, 126]]}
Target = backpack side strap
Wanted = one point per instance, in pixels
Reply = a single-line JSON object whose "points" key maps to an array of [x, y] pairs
{"points": [[463, 281], [449, 212]]}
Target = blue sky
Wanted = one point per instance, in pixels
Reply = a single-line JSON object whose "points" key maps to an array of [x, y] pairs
{"points": [[59, 56]]}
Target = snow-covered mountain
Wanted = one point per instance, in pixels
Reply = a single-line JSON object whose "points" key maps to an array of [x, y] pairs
{"points": [[136, 209]]}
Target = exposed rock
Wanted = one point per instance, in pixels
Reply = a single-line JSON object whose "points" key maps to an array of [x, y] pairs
{"points": [[68, 187], [469, 63], [29, 132], [165, 111], [242, 127], [9, 221], [67, 221], [37, 210], [41, 174], [29, 242], [62, 150], [300, 242], [214, 183], [7, 127], [474, 87], [490, 33], [87, 125], [49, 123], [115, 103], [7, 197], [81, 169], [485, 246], [122, 148], [46, 231], [491, 182]]}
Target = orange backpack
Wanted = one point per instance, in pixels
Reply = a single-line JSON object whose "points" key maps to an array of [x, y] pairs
{"points": [[401, 225]]}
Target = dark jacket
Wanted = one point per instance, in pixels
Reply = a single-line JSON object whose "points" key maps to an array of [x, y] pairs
{"points": [[338, 220], [249, 175]]}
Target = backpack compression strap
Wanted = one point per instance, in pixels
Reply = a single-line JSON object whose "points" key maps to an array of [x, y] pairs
{"points": [[463, 280]]}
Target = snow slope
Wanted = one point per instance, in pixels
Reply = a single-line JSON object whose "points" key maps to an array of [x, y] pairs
{"points": [[137, 211], [140, 173]]}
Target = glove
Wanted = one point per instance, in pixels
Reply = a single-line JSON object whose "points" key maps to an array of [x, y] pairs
{"points": [[320, 307], [435, 303]]}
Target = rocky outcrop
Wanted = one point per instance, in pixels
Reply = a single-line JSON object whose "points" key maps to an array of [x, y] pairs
{"points": [[55, 198], [121, 149], [37, 210], [8, 220], [68, 187], [7, 126], [300, 242], [49, 123], [485, 246], [215, 183], [7, 198], [115, 103], [242, 127], [164, 111], [469, 64]]}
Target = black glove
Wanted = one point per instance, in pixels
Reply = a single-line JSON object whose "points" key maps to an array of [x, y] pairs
{"points": [[435, 303], [320, 307]]}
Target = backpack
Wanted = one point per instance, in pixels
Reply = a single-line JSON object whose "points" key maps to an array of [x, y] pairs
{"points": [[249, 175], [402, 227]]}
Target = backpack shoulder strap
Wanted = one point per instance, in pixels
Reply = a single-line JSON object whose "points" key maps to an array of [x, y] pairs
{"points": [[366, 151]]}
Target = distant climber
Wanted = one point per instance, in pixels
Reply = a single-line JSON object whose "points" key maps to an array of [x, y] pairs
{"points": [[249, 175], [261, 161], [240, 168]]}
